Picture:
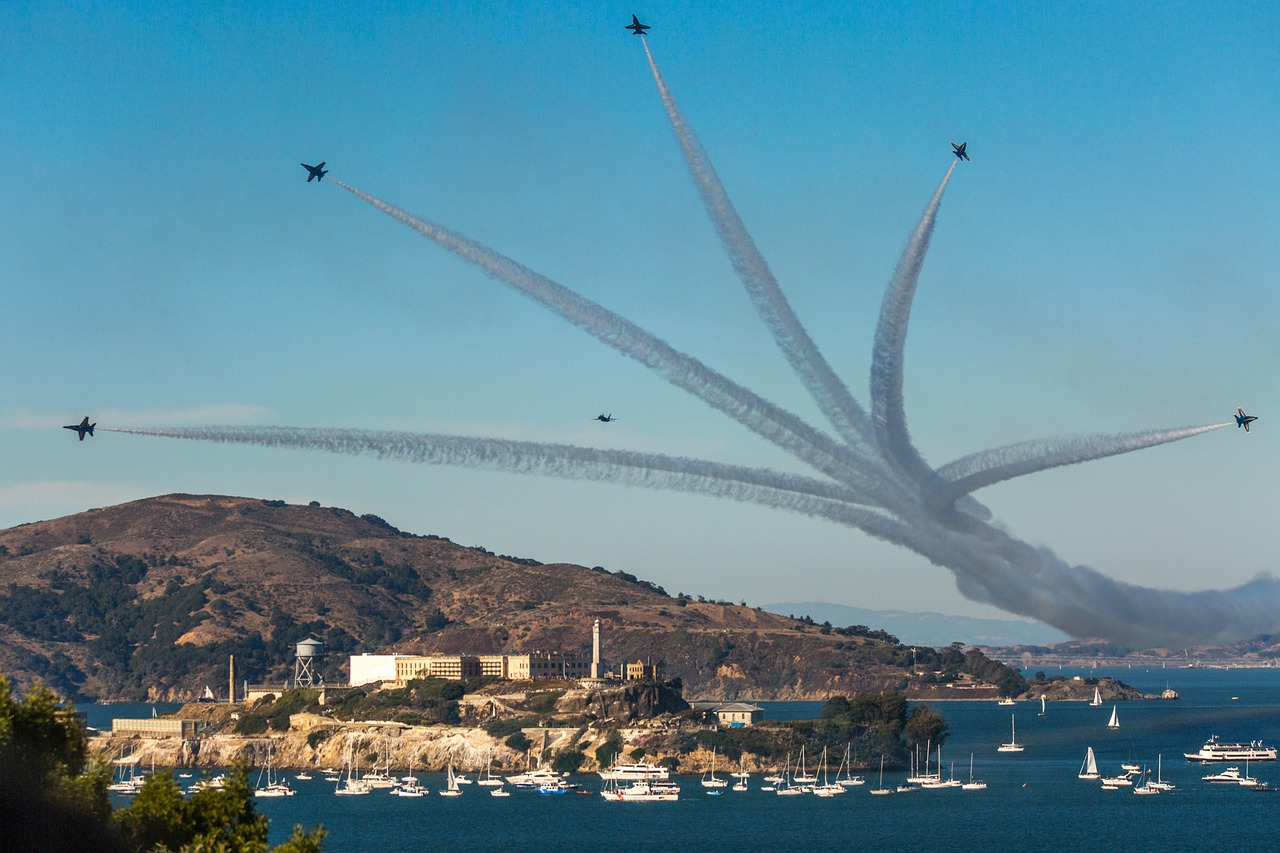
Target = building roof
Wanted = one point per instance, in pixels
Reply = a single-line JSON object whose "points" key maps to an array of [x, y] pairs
{"points": [[737, 708]]}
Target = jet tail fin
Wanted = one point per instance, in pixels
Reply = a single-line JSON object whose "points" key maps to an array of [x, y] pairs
{"points": [[91, 426]]}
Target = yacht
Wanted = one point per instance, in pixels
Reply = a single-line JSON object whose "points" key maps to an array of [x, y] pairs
{"points": [[642, 791], [634, 772], [1230, 776], [534, 778], [1213, 750]]}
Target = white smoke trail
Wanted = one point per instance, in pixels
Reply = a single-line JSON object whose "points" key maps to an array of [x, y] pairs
{"points": [[979, 470], [767, 420], [827, 389], [649, 470], [888, 413], [912, 510]]}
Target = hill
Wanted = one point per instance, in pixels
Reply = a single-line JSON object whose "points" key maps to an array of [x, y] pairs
{"points": [[926, 628], [147, 599]]}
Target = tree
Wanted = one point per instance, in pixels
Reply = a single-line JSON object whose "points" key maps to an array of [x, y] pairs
{"points": [[51, 797], [925, 725]]}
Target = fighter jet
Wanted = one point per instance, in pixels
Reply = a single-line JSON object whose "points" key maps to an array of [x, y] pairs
{"points": [[82, 427], [317, 172], [958, 150], [1243, 420], [604, 419], [637, 28]]}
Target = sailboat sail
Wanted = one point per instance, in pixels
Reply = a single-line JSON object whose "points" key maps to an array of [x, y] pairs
{"points": [[1115, 719], [1089, 770]]}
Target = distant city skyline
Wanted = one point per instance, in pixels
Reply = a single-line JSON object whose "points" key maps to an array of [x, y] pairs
{"points": [[1104, 264]]}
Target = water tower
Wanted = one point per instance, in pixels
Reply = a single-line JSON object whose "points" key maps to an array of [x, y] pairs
{"points": [[309, 652]]}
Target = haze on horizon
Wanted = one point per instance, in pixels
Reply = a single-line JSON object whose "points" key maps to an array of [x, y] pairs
{"points": [[1097, 288]]}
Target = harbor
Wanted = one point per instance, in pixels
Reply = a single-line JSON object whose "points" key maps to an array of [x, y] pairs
{"points": [[1034, 799]]}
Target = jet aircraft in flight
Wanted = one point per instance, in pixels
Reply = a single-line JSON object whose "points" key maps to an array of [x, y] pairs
{"points": [[317, 172], [604, 419], [958, 150], [1243, 420], [637, 28], [83, 427]]}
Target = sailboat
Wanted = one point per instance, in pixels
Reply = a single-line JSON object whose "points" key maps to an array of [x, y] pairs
{"points": [[1097, 698], [1160, 783], [409, 786], [882, 789], [971, 785], [1041, 714], [451, 784], [849, 779], [1114, 723], [1146, 788], [1012, 745], [710, 780], [1089, 769], [803, 778], [489, 780]]}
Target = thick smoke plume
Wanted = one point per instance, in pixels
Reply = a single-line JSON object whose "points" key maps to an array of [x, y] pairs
{"points": [[874, 480]]}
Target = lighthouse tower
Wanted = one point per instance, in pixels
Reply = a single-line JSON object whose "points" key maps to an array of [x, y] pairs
{"points": [[597, 668]]}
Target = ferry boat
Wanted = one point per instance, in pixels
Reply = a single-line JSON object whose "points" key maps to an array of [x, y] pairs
{"points": [[1215, 751], [634, 772]]}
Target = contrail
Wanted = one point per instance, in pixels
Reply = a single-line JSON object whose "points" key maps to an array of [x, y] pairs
{"points": [[767, 420], [566, 461], [979, 470], [888, 413], [827, 389]]}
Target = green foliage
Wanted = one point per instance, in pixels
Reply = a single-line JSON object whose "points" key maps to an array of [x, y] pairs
{"points": [[48, 791], [519, 742], [926, 725], [503, 727], [427, 701], [161, 818], [543, 702], [609, 750], [251, 724], [568, 760], [1008, 679]]}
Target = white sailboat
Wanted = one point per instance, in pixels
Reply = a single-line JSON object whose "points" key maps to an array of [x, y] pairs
{"points": [[1089, 769], [803, 778], [882, 789], [1042, 709], [1012, 745], [489, 780], [1114, 722], [849, 780], [972, 785], [710, 780], [1096, 701], [451, 784], [1160, 783]]}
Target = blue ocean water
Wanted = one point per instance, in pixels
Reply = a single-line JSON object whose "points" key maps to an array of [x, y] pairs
{"points": [[1034, 802]]}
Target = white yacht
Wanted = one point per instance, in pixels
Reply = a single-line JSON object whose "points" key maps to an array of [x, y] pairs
{"points": [[1213, 750], [634, 772], [642, 791]]}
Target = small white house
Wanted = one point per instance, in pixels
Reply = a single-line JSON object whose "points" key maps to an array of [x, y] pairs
{"points": [[738, 714]]}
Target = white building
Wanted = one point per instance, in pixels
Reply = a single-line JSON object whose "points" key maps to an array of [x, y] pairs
{"points": [[366, 669]]}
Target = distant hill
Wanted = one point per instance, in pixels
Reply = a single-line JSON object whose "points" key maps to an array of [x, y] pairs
{"points": [[146, 600], [927, 629]]}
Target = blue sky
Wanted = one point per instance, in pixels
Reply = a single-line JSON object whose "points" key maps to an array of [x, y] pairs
{"points": [[1105, 264]]}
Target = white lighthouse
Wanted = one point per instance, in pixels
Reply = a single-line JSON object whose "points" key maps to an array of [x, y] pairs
{"points": [[597, 669]]}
